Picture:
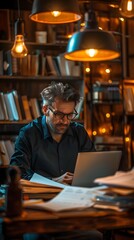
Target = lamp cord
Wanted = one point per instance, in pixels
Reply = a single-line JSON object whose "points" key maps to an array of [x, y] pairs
{"points": [[18, 3]]}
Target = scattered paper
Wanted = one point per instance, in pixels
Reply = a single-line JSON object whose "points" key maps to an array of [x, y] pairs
{"points": [[36, 178], [70, 198], [120, 179]]}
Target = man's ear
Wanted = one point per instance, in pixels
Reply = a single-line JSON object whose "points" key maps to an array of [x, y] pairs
{"points": [[45, 110]]}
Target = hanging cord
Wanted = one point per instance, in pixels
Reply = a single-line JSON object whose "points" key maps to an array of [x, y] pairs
{"points": [[18, 4]]}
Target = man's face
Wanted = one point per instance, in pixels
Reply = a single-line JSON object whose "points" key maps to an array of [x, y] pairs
{"points": [[58, 123]]}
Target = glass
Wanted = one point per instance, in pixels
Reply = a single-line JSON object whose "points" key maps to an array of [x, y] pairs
{"points": [[61, 115]]}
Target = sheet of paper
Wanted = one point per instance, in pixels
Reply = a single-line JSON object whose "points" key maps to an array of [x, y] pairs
{"points": [[40, 179], [70, 198], [122, 179]]}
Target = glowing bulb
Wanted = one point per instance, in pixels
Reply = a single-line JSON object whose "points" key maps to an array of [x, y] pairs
{"points": [[127, 139], [107, 70], [91, 52], [127, 8], [129, 5], [19, 49], [94, 133], [107, 115], [56, 13], [87, 69]]}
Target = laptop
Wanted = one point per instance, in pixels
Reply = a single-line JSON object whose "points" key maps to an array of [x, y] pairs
{"points": [[91, 165]]}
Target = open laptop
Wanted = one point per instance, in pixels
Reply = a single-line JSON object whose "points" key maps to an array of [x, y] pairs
{"points": [[91, 165]]}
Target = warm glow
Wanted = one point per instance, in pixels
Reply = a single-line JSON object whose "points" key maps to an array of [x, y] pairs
{"points": [[82, 24], [103, 130], [127, 139], [19, 49], [91, 52], [94, 133], [121, 19], [107, 115], [69, 35], [56, 13], [107, 70], [87, 69], [129, 5]]}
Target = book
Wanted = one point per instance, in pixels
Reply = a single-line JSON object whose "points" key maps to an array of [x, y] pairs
{"points": [[16, 98], [7, 63], [35, 107], [25, 102], [33, 64], [4, 157], [129, 99], [9, 147], [11, 106], [1, 62], [61, 62], [51, 66], [3, 107]]}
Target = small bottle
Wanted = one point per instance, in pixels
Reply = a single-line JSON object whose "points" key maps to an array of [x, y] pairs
{"points": [[13, 198]]}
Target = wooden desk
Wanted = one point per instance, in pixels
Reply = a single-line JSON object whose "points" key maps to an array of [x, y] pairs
{"points": [[47, 222]]}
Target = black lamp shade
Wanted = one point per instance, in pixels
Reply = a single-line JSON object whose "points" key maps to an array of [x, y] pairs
{"points": [[42, 11], [102, 41]]}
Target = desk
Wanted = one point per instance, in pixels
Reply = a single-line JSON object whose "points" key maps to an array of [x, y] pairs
{"points": [[47, 222]]}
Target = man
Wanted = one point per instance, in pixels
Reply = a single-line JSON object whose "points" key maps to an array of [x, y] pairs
{"points": [[49, 145]]}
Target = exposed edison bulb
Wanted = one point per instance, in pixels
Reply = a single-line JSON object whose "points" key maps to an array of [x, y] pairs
{"points": [[127, 8], [56, 13], [91, 52], [19, 49]]}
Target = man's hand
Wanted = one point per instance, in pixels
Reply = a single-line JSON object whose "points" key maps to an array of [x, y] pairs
{"points": [[66, 178]]}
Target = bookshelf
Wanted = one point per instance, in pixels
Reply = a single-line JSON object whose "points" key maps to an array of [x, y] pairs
{"points": [[102, 85]]}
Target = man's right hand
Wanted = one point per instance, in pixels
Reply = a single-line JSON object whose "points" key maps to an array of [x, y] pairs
{"points": [[66, 178]]}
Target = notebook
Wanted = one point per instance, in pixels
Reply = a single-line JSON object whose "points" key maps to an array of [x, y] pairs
{"points": [[91, 165]]}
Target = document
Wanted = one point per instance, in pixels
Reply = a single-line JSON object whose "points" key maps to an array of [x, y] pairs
{"points": [[120, 179], [70, 198], [36, 178]]}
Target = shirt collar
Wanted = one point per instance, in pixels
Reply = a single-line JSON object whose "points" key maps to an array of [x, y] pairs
{"points": [[46, 132]]}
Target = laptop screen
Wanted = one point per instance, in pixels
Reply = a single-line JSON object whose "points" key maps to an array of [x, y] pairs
{"points": [[91, 165]]}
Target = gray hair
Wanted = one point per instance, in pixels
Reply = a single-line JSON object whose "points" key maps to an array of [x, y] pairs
{"points": [[63, 91]]}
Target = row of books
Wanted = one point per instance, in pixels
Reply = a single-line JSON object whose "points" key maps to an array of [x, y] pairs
{"points": [[6, 151], [16, 107], [105, 92], [38, 64]]}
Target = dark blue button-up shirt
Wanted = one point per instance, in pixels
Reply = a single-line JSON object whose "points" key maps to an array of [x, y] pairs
{"points": [[36, 150]]}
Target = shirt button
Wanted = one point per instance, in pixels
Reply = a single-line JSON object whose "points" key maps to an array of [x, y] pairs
{"points": [[62, 170]]}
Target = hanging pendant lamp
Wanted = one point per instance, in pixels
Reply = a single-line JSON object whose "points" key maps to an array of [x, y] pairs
{"points": [[55, 11], [91, 43], [19, 49]]}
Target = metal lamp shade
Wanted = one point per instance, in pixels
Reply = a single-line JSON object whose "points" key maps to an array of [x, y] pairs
{"points": [[42, 11], [102, 41]]}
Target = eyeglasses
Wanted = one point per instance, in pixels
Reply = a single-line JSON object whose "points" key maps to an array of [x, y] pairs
{"points": [[61, 115]]}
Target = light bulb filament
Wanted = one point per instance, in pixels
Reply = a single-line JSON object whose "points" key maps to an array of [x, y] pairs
{"points": [[56, 13], [129, 5], [91, 52]]}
